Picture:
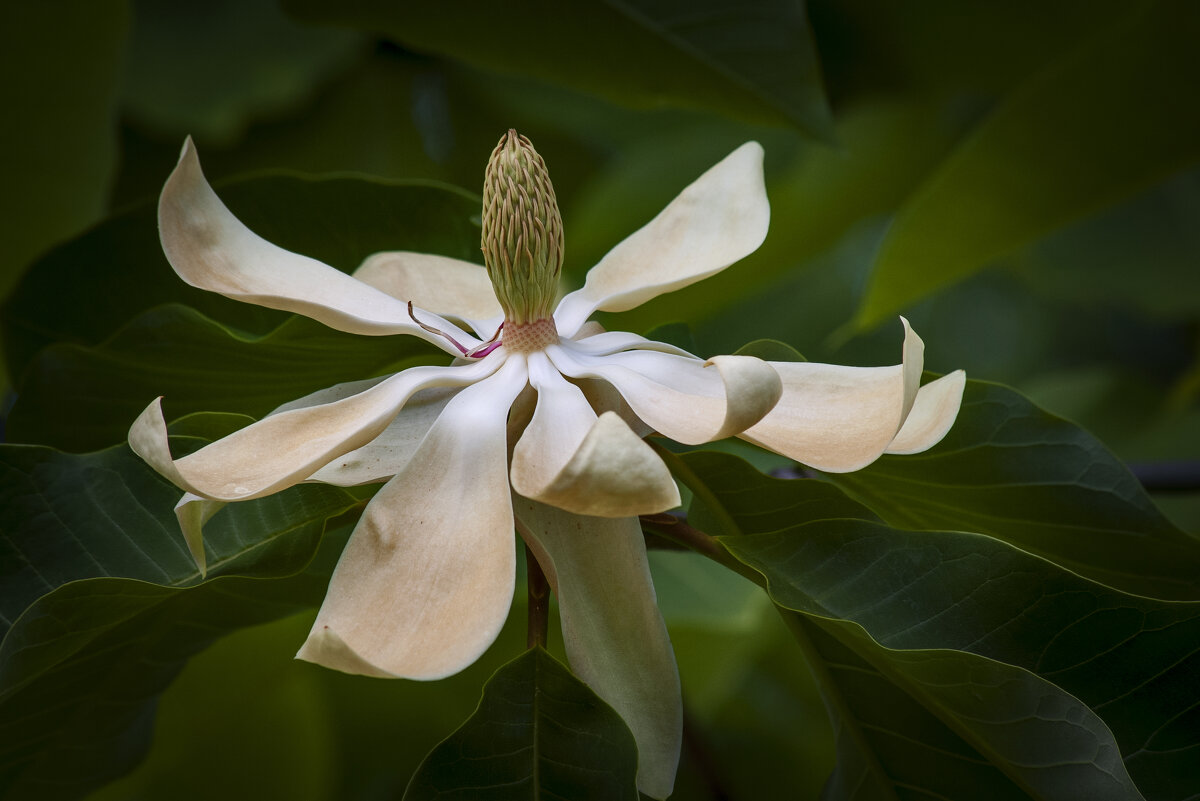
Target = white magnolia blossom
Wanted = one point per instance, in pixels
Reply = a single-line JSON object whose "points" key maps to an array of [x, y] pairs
{"points": [[427, 577]]}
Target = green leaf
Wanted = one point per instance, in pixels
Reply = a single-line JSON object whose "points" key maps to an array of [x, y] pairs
{"points": [[939, 724], [62, 63], [198, 365], [1101, 124], [1012, 471], [102, 605], [753, 60], [211, 74], [116, 271], [1129, 658], [539, 733], [771, 350]]}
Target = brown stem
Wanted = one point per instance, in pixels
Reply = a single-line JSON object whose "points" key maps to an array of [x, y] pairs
{"points": [[539, 601]]}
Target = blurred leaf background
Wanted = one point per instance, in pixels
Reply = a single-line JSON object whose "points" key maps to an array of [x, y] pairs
{"points": [[1021, 180]]}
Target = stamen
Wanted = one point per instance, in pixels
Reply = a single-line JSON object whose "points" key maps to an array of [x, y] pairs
{"points": [[433, 330]]}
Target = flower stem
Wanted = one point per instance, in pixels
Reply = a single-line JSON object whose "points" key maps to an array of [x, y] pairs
{"points": [[539, 601]]}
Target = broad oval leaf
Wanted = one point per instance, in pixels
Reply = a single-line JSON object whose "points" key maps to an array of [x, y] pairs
{"points": [[1034, 480], [101, 606], [1104, 122], [755, 60], [539, 733]]}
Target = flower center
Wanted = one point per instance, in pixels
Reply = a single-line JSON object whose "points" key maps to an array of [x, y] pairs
{"points": [[522, 238], [531, 336]]}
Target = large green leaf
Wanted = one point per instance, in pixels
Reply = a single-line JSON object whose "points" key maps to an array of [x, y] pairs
{"points": [[754, 60], [85, 290], [1104, 122], [1013, 471], [198, 365], [102, 606], [539, 733], [1130, 659], [946, 724], [210, 71], [61, 68]]}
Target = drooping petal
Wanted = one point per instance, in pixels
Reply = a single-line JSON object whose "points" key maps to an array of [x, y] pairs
{"points": [[286, 448], [839, 419], [717, 220], [211, 249], [683, 398], [445, 286], [570, 458], [614, 634], [426, 580], [193, 512], [932, 415]]}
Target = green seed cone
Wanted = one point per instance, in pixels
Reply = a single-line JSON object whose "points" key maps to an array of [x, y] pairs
{"points": [[522, 231]]}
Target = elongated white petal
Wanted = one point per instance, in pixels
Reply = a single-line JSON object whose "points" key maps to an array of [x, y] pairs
{"points": [[932, 415], [387, 454], [426, 580], [606, 342], [839, 419], [569, 458], [445, 286], [681, 397], [614, 634], [211, 249], [284, 449], [720, 218]]}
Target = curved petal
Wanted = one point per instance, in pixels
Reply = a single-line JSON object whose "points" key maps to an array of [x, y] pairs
{"points": [[614, 634], [932, 415], [387, 454], [426, 580], [839, 419], [445, 286], [193, 512], [569, 458], [211, 249], [286, 448], [606, 342], [690, 401], [720, 218]]}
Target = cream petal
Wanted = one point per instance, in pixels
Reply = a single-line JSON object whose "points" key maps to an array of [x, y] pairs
{"points": [[211, 249], [932, 414], [606, 342], [193, 512], [284, 449], [426, 580], [387, 454], [613, 632], [569, 458], [717, 220], [445, 286], [683, 398], [839, 419]]}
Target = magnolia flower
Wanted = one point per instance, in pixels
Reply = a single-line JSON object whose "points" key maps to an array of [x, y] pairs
{"points": [[427, 577]]}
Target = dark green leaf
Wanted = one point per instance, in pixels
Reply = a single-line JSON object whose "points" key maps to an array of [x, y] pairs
{"points": [[198, 365], [116, 271], [1104, 122], [209, 71], [753, 60], [61, 67], [1129, 658], [539, 733], [946, 724], [1015, 472], [102, 607]]}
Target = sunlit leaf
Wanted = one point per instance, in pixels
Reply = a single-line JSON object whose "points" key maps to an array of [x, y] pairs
{"points": [[1101, 124], [539, 733]]}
